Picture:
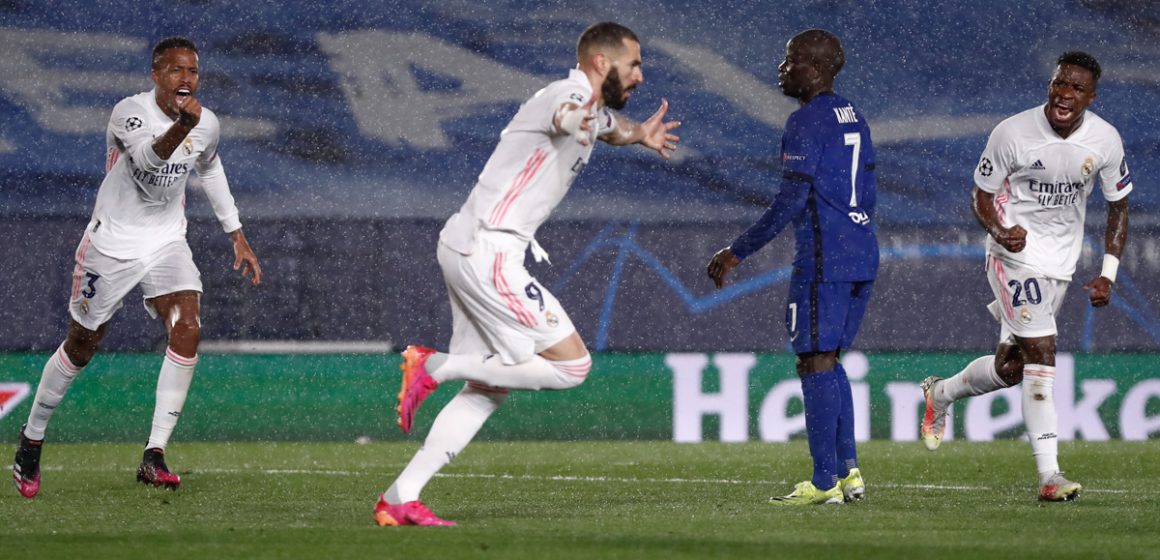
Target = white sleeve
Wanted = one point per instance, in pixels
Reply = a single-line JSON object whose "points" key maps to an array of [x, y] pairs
{"points": [[574, 95], [997, 161], [128, 125], [1115, 180], [213, 181]]}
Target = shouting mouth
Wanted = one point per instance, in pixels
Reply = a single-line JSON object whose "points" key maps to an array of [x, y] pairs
{"points": [[181, 96], [1062, 112]]}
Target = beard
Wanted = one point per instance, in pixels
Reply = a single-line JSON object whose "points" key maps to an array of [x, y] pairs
{"points": [[613, 90]]}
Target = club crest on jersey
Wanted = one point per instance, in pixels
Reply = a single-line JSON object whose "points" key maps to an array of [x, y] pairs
{"points": [[1025, 316], [551, 318], [84, 307], [133, 123], [187, 146], [1089, 165], [985, 167]]}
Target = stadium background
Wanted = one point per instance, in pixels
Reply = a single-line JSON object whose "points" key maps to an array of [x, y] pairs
{"points": [[351, 131]]}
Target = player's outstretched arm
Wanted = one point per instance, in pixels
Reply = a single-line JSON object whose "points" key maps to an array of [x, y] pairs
{"points": [[1115, 238], [1013, 239], [654, 133], [576, 120], [244, 257]]}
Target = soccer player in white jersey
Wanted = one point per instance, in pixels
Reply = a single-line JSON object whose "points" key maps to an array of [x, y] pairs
{"points": [[1031, 190], [509, 332], [136, 237]]}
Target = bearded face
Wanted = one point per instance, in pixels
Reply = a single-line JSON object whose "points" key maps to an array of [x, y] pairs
{"points": [[615, 94]]}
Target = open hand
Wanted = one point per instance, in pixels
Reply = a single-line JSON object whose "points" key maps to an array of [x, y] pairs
{"points": [[656, 132]]}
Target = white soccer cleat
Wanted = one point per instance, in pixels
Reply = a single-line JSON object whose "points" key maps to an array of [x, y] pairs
{"points": [[934, 420], [1059, 489]]}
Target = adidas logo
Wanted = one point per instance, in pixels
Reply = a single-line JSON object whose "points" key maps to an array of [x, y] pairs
{"points": [[1038, 165]]}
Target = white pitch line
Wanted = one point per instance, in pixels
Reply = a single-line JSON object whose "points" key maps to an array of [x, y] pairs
{"points": [[576, 478]]}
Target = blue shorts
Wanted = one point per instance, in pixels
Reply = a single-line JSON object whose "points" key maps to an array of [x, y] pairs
{"points": [[824, 316]]}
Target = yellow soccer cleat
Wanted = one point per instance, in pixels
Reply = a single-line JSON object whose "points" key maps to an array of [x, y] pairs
{"points": [[806, 494], [853, 487]]}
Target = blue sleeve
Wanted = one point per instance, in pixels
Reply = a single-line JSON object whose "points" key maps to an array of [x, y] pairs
{"points": [[800, 152], [790, 202]]}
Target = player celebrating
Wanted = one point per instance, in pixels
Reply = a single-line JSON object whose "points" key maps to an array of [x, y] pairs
{"points": [[136, 237], [509, 332], [1031, 189], [828, 191]]}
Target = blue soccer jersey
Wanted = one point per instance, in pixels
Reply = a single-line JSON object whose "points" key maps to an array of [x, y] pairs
{"points": [[828, 190]]}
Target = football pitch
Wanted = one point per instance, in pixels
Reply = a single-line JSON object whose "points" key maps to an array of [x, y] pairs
{"points": [[585, 500]]}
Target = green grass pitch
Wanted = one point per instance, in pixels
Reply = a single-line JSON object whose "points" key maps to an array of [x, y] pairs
{"points": [[585, 500]]}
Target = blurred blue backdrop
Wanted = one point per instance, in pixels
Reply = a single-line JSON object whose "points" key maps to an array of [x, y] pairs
{"points": [[340, 114]]}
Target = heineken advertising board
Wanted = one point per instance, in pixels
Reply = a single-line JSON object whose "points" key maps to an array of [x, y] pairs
{"points": [[685, 397]]}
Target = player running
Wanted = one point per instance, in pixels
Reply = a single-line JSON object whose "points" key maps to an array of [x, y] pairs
{"points": [[1031, 190], [509, 332], [828, 190], [136, 237]]}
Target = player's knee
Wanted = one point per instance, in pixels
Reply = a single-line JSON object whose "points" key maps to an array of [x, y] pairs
{"points": [[1010, 372], [186, 329], [572, 373]]}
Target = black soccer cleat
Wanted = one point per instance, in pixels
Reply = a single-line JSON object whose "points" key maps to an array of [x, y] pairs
{"points": [[26, 466], [153, 470]]}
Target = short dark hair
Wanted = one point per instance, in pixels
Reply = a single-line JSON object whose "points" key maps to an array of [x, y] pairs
{"points": [[1083, 60], [603, 34], [176, 42]]}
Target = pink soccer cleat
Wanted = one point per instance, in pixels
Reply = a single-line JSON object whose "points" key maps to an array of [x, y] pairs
{"points": [[153, 471], [410, 513], [26, 466], [417, 385]]}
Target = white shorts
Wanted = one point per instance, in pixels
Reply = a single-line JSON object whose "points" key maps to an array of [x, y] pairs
{"points": [[496, 305], [100, 282], [1026, 301]]}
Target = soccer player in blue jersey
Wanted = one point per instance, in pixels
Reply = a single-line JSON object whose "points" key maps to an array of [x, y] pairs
{"points": [[828, 192]]}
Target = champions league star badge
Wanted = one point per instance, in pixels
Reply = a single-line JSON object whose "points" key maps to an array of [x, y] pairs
{"points": [[1088, 166], [985, 167], [132, 123]]}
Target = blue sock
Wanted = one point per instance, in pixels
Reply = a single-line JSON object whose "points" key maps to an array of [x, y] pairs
{"points": [[847, 447], [821, 394]]}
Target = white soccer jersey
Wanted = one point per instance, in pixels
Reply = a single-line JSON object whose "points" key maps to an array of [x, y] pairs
{"points": [[141, 203], [1041, 182], [530, 170]]}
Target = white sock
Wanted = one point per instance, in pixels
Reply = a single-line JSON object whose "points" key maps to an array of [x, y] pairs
{"points": [[1040, 418], [977, 378], [55, 379], [172, 387], [453, 429], [534, 374]]}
